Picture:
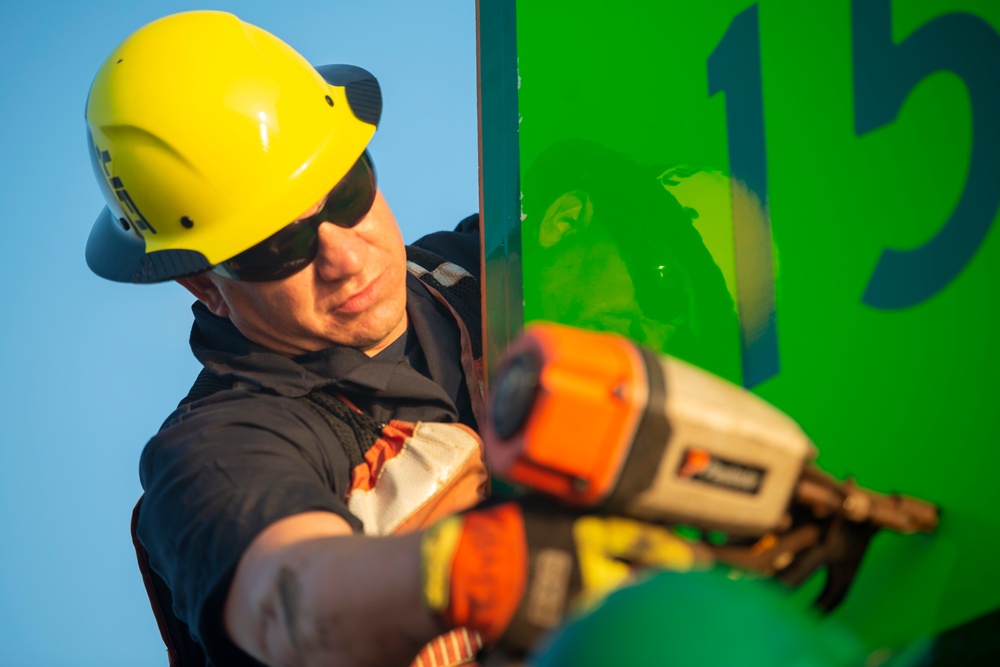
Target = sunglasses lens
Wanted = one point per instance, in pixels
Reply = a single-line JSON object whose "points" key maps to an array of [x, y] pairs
{"points": [[292, 248], [280, 255], [352, 197]]}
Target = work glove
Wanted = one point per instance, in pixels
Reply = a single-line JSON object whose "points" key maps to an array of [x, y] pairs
{"points": [[512, 570]]}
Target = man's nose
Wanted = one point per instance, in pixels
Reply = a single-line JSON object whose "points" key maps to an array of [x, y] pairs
{"points": [[342, 253]]}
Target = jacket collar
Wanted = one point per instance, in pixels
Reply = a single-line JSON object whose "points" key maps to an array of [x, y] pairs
{"points": [[220, 347]]}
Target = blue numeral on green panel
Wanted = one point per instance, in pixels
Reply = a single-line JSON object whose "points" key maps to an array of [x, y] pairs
{"points": [[734, 68], [884, 75]]}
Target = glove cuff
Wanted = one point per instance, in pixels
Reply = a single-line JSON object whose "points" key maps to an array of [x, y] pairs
{"points": [[553, 578], [474, 568]]}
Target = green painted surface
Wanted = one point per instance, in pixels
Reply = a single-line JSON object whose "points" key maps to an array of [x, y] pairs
{"points": [[711, 620], [633, 120]]}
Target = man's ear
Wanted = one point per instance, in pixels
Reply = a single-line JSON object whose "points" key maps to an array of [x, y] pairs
{"points": [[207, 292], [569, 214]]}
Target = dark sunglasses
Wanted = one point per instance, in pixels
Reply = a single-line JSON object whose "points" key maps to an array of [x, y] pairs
{"points": [[293, 247]]}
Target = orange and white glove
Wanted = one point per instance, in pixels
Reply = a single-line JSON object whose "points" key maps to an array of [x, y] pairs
{"points": [[513, 570]]}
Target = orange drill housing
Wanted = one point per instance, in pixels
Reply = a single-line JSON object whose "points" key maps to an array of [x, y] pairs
{"points": [[590, 393]]}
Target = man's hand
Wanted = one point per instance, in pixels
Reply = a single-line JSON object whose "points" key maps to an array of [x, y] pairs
{"points": [[515, 569]]}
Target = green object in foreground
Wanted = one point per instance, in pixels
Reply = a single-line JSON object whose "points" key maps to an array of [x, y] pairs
{"points": [[701, 618]]}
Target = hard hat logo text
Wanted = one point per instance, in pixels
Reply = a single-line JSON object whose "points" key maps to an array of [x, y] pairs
{"points": [[129, 208]]}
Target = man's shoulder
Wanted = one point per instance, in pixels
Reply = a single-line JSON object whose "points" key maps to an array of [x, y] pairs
{"points": [[460, 246], [449, 262], [233, 417]]}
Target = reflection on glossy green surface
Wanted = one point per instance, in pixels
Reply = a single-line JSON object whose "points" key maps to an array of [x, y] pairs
{"points": [[611, 249], [876, 136]]}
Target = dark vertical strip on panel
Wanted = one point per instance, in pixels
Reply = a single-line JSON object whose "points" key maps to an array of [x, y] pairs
{"points": [[499, 169]]}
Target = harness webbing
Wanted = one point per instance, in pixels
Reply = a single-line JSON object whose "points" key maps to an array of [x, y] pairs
{"points": [[355, 430]]}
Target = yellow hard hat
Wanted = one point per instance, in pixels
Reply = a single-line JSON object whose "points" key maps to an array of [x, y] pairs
{"points": [[207, 135]]}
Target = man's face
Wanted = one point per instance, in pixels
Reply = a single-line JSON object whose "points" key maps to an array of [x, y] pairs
{"points": [[352, 294]]}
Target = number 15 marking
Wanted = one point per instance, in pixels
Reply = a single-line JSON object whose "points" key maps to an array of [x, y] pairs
{"points": [[884, 75]]}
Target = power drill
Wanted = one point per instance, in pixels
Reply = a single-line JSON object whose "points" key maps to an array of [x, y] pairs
{"points": [[597, 421]]}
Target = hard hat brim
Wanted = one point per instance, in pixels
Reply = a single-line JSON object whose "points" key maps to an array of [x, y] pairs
{"points": [[114, 253]]}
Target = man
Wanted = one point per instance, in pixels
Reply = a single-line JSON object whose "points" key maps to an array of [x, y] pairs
{"points": [[341, 383]]}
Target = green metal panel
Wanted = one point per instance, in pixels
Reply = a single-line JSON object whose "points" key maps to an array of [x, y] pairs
{"points": [[797, 196]]}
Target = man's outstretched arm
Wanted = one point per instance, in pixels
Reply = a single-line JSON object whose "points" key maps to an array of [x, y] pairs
{"points": [[309, 592]]}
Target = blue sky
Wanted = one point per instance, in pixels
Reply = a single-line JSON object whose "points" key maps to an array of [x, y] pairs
{"points": [[91, 368]]}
